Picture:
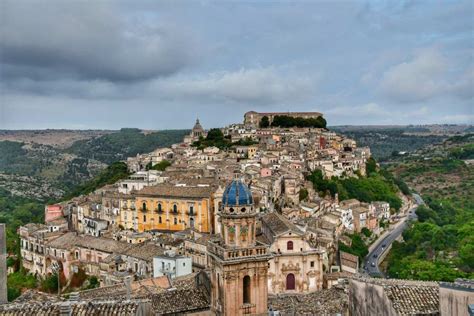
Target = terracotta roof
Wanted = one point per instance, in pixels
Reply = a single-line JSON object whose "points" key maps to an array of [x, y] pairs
{"points": [[176, 191], [278, 224]]}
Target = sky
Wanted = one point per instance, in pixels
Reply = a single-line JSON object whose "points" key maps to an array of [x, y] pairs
{"points": [[161, 64]]}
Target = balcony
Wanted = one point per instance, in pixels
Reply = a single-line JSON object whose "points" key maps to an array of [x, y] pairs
{"points": [[238, 253], [247, 308], [189, 213], [159, 211]]}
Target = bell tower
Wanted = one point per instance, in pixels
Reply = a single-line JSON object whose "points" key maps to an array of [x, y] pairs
{"points": [[239, 263]]}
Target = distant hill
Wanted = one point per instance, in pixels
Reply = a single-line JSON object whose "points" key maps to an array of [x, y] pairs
{"points": [[43, 167], [385, 141]]}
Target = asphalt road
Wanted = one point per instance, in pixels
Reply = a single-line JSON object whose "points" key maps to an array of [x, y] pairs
{"points": [[371, 262]]}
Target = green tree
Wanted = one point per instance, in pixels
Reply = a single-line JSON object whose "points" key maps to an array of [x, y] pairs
{"points": [[161, 166], [303, 194], [264, 122]]}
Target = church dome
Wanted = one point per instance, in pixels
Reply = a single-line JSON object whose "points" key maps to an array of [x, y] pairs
{"points": [[197, 127], [237, 193]]}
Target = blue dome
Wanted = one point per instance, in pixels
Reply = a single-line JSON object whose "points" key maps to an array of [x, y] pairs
{"points": [[237, 193]]}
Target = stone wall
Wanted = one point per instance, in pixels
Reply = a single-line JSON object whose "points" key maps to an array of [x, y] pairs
{"points": [[453, 300], [368, 299]]}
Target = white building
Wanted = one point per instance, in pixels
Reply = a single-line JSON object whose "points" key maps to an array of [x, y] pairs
{"points": [[172, 265], [139, 180]]}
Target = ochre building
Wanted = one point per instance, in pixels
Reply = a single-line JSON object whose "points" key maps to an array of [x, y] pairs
{"points": [[168, 208]]}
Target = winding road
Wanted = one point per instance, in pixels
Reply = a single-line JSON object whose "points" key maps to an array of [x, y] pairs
{"points": [[371, 262]]}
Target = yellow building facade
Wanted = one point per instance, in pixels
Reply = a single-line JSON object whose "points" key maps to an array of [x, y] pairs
{"points": [[174, 208]]}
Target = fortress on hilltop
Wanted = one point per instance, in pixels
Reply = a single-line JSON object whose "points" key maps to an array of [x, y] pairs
{"points": [[253, 118]]}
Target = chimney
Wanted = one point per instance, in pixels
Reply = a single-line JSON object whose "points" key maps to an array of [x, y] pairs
{"points": [[65, 309], [3, 265]]}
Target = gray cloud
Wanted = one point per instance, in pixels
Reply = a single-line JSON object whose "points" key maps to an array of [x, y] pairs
{"points": [[255, 86], [159, 64], [78, 39], [415, 80]]}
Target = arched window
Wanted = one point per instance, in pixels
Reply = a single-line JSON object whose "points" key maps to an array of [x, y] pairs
{"points": [[175, 208], [159, 219], [246, 289], [289, 245], [159, 207], [290, 281], [175, 221], [144, 206], [231, 210], [191, 222], [243, 210]]}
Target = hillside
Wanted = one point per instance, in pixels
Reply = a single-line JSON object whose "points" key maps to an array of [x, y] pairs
{"points": [[440, 246], [387, 141], [41, 171]]}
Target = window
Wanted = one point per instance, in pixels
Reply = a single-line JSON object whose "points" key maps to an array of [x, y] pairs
{"points": [[243, 210], [184, 264], [159, 219], [246, 289], [290, 281], [311, 264], [159, 207], [144, 206], [144, 218], [191, 210], [289, 245], [231, 210], [175, 208], [175, 221]]}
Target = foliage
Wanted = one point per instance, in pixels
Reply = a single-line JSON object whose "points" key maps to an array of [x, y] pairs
{"points": [[216, 138], [385, 141], [18, 281], [16, 211], [246, 141], [369, 189], [127, 142], [264, 122], [93, 282], [290, 121], [50, 283], [303, 195], [371, 166], [357, 248], [161, 166], [440, 245], [464, 152], [113, 173], [366, 232]]}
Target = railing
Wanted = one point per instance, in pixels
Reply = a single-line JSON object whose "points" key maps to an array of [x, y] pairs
{"points": [[237, 253], [247, 308]]}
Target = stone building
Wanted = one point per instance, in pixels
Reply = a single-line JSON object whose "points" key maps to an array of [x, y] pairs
{"points": [[296, 267], [239, 264], [174, 208], [253, 118], [197, 132]]}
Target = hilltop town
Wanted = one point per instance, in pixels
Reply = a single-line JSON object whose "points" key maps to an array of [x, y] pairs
{"points": [[230, 221]]}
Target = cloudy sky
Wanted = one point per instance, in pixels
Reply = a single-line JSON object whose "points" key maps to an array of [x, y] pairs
{"points": [[161, 64]]}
